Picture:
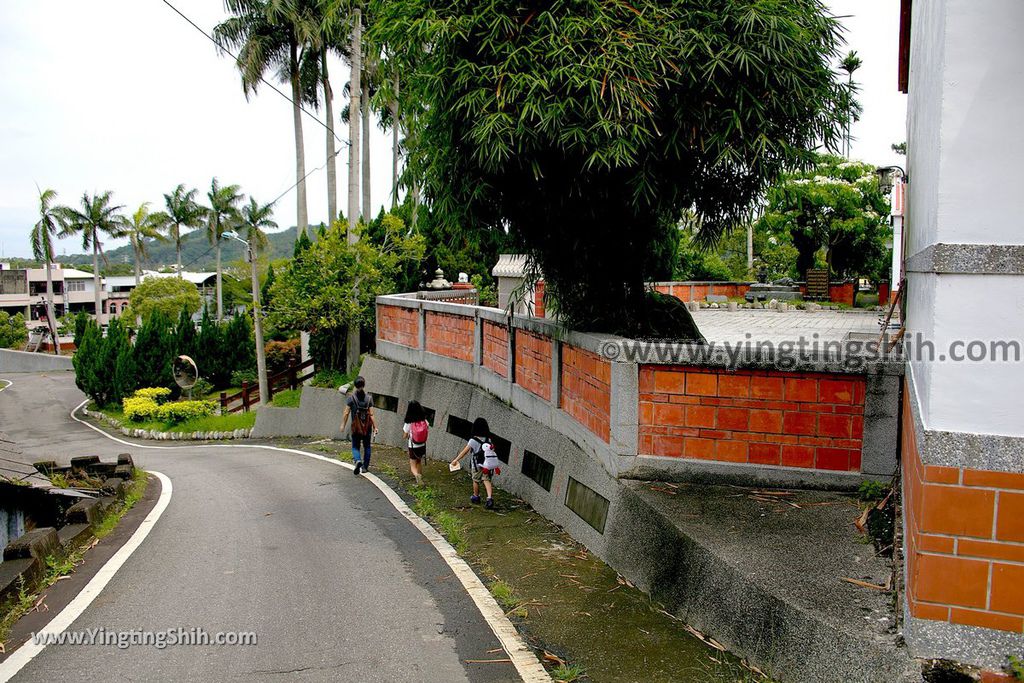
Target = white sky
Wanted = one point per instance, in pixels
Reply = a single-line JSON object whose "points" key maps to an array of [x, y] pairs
{"points": [[124, 95]]}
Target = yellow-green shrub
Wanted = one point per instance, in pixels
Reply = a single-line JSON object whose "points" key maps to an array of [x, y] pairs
{"points": [[182, 411], [158, 394], [139, 408]]}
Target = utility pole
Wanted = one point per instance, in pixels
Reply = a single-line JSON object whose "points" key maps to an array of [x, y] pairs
{"points": [[354, 160], [257, 321]]}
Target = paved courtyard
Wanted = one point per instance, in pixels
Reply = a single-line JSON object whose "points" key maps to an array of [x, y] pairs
{"points": [[721, 325]]}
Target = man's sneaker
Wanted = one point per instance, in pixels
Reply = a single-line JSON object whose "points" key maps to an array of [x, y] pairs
{"points": [[490, 504], [475, 500], [358, 466]]}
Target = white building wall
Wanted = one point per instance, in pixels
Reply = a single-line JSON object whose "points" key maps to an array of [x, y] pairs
{"points": [[966, 170]]}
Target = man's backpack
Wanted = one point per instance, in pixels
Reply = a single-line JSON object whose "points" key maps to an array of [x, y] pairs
{"points": [[361, 422], [418, 431]]}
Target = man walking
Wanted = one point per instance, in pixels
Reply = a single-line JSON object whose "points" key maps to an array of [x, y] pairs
{"points": [[360, 407]]}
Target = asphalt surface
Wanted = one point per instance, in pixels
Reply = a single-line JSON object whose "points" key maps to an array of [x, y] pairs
{"points": [[335, 583]]}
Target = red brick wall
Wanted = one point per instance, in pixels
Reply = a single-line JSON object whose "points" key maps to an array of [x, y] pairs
{"points": [[965, 540], [450, 335], [533, 363], [399, 325], [495, 350], [811, 420], [681, 290], [586, 389], [538, 299]]}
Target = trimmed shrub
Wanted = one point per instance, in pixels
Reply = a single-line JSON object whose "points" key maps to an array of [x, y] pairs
{"points": [[181, 411], [157, 394], [140, 408]]}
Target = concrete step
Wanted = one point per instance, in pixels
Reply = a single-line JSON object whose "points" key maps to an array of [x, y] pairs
{"points": [[764, 575]]}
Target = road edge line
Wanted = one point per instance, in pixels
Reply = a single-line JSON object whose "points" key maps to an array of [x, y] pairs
{"points": [[74, 609], [522, 655]]}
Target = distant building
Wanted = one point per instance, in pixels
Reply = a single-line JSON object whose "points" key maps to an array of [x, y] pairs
{"points": [[23, 290]]}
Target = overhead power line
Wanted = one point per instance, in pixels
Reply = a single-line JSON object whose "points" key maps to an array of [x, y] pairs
{"points": [[271, 85]]}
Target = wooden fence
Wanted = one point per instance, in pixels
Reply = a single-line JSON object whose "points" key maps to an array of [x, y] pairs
{"points": [[289, 378]]}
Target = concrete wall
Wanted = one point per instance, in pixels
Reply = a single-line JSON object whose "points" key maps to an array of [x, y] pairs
{"points": [[319, 416], [22, 361], [587, 387]]}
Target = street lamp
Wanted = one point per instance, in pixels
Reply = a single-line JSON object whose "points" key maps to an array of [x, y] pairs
{"points": [[257, 318], [885, 177]]}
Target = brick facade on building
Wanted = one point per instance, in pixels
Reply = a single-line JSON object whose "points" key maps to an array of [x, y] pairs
{"points": [[586, 389], [450, 335], [399, 325], [808, 420], [964, 540]]}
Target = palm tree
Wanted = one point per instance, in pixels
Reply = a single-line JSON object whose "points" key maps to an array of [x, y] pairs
{"points": [[220, 218], [143, 225], [97, 217], [43, 234], [182, 212], [274, 35], [849, 64], [256, 219]]}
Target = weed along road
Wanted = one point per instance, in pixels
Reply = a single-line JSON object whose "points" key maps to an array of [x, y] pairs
{"points": [[336, 583]]}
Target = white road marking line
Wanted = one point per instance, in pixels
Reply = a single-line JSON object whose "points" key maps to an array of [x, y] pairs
{"points": [[9, 383], [523, 658], [24, 654]]}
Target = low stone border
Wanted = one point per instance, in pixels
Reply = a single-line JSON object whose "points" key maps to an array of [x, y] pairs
{"points": [[155, 435]]}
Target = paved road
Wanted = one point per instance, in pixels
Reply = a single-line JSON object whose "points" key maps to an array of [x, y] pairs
{"points": [[335, 582]]}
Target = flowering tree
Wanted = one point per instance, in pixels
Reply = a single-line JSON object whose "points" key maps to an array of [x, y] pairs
{"points": [[834, 213]]}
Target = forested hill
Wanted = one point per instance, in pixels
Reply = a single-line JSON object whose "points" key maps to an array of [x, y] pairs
{"points": [[197, 253]]}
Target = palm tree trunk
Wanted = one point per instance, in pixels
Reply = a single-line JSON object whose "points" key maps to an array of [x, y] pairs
{"points": [[220, 298], [394, 146], [96, 278], [177, 248], [138, 259], [49, 305], [355, 90], [365, 120], [300, 153], [332, 170]]}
